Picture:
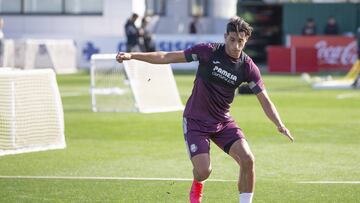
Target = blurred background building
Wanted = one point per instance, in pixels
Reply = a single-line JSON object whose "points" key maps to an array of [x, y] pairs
{"points": [[106, 17]]}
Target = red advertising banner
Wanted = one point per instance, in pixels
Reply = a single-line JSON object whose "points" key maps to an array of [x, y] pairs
{"points": [[291, 60], [332, 51]]}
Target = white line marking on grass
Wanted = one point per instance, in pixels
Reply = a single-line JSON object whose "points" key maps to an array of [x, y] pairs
{"points": [[328, 182], [73, 94], [108, 178], [346, 96]]}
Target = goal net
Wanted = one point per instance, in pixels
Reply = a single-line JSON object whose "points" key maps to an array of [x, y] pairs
{"points": [[110, 88], [8, 53], [59, 55], [31, 114], [132, 86]]}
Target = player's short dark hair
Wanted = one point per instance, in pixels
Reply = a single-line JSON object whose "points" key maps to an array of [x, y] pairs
{"points": [[237, 24]]}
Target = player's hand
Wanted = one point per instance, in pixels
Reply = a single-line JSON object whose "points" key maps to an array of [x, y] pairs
{"points": [[121, 56], [283, 130]]}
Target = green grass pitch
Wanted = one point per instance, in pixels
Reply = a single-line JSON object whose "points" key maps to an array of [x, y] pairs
{"points": [[327, 148]]}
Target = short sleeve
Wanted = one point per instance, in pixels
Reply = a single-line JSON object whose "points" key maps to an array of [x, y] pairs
{"points": [[254, 79], [199, 52]]}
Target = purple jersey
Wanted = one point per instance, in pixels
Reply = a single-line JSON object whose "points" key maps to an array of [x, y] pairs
{"points": [[217, 78]]}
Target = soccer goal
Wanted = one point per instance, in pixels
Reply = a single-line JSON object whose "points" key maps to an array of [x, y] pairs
{"points": [[59, 55], [8, 54], [132, 86], [31, 114]]}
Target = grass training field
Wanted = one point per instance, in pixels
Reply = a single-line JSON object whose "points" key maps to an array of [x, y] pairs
{"points": [[106, 150]]}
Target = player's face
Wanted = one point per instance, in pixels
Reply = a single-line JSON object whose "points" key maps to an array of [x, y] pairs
{"points": [[234, 43]]}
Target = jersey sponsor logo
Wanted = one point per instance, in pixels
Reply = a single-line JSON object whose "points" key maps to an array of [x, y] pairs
{"points": [[224, 75], [193, 148], [216, 62]]}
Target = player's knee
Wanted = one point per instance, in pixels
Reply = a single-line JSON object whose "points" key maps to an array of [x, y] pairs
{"points": [[203, 173], [248, 162]]}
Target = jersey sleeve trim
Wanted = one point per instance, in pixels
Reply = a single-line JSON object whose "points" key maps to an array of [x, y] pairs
{"points": [[190, 57], [255, 88]]}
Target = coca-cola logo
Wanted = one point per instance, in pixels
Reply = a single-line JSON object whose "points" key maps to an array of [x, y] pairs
{"points": [[336, 54]]}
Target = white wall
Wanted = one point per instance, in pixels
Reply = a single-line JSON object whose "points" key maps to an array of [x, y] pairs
{"points": [[177, 18], [221, 11]]}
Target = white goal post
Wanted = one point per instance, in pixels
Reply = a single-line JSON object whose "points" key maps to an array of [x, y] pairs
{"points": [[31, 113], [132, 86]]}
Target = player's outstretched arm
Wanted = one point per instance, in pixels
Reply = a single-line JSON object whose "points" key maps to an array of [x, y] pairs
{"points": [[158, 57], [272, 113]]}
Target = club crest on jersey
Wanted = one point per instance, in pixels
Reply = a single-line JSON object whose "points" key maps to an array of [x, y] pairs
{"points": [[225, 75], [193, 148]]}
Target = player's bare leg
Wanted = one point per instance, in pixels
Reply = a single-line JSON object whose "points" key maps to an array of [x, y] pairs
{"points": [[202, 166], [201, 171], [241, 152]]}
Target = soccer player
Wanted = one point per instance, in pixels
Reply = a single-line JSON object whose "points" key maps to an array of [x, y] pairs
{"points": [[222, 68]]}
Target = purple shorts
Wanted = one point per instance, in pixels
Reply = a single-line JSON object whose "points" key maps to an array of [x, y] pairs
{"points": [[198, 135]]}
